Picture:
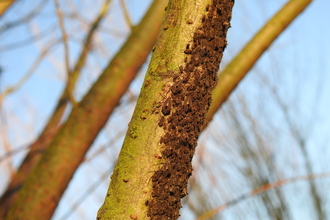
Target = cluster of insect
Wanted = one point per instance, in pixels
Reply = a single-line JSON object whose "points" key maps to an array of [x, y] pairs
{"points": [[184, 108]]}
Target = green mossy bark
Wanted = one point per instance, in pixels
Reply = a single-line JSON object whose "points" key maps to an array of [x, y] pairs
{"points": [[43, 189], [140, 156]]}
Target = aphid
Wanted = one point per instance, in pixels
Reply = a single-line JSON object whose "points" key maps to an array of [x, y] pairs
{"points": [[196, 49], [176, 87], [184, 138], [166, 109], [199, 34], [187, 51], [158, 156], [191, 87], [161, 122], [189, 68], [175, 123], [166, 27], [187, 104], [181, 67], [190, 21], [185, 77], [175, 77], [162, 140]]}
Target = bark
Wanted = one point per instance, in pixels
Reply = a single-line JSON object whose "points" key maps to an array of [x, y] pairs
{"points": [[52, 126], [235, 71], [154, 164], [32, 158], [47, 182]]}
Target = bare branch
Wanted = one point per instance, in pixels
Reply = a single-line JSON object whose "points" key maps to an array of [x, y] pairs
{"points": [[126, 14], [27, 41], [13, 152], [262, 189], [88, 192], [29, 73], [87, 44], [236, 70], [25, 19], [66, 52]]}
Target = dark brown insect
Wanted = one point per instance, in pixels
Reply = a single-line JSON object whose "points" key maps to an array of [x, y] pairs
{"points": [[176, 87], [161, 122], [189, 67], [158, 156], [187, 104], [167, 106], [187, 51], [199, 34], [185, 77], [181, 67], [184, 138]]}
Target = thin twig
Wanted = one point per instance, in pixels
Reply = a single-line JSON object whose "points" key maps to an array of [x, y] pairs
{"points": [[24, 19], [260, 190], [7, 146], [66, 52], [19, 44], [126, 14], [88, 192], [88, 42], [29, 73], [12, 152]]}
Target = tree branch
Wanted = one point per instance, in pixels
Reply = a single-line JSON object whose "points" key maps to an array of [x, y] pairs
{"points": [[66, 53], [68, 148], [235, 71], [260, 190]]}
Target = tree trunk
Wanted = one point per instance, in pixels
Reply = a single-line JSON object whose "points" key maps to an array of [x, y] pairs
{"points": [[154, 165]]}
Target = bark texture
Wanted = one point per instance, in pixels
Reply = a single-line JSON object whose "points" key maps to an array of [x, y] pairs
{"points": [[47, 182], [154, 165]]}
